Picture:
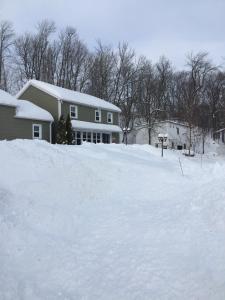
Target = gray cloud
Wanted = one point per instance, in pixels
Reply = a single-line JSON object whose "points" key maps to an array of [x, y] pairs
{"points": [[153, 28]]}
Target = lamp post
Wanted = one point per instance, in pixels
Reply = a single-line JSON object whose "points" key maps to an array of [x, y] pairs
{"points": [[162, 138], [126, 130]]}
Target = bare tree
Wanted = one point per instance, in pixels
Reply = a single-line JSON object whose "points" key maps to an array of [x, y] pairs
{"points": [[190, 88], [151, 98], [6, 42], [33, 51], [72, 61], [102, 72]]}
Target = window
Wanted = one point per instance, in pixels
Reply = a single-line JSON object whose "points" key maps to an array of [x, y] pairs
{"points": [[73, 112], [94, 137], [109, 117], [84, 136], [77, 137], [98, 137], [37, 131], [97, 115], [89, 137], [178, 130]]}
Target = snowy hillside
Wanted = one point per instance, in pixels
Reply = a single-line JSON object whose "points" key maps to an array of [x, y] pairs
{"points": [[110, 222]]}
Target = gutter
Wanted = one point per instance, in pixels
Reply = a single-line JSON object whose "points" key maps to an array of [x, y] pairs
{"points": [[59, 108], [50, 132]]}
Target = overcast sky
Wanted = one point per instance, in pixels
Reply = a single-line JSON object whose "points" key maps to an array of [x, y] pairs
{"points": [[153, 28]]}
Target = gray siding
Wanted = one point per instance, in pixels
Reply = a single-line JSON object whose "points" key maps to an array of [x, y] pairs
{"points": [[15, 128], [41, 99], [87, 114]]}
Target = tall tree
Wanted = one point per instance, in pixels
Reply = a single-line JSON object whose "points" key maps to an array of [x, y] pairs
{"points": [[61, 137], [192, 87], [33, 52], [6, 42]]}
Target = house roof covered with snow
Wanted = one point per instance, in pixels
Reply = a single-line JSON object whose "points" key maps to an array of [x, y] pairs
{"points": [[69, 95], [7, 99], [27, 110], [95, 126]]}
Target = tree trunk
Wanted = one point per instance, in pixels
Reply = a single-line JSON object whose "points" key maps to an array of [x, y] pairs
{"points": [[149, 136], [203, 144], [189, 151]]}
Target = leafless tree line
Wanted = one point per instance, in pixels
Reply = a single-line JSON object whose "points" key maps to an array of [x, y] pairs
{"points": [[145, 92]]}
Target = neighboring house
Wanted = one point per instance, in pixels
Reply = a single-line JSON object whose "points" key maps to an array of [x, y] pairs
{"points": [[23, 120], [176, 132], [93, 119]]}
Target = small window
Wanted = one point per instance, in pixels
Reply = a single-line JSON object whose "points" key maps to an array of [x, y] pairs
{"points": [[94, 137], [73, 112], [89, 137], [178, 131], [84, 136], [98, 137], [97, 115], [109, 117], [77, 138], [37, 131]]}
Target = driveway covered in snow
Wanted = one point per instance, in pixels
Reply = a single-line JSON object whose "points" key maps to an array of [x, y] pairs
{"points": [[110, 222]]}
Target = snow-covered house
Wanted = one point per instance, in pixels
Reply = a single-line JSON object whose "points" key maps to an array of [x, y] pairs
{"points": [[23, 119], [93, 119], [177, 134]]}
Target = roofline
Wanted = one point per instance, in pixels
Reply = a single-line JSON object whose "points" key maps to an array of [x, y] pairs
{"points": [[29, 83], [96, 106], [35, 119], [11, 105]]}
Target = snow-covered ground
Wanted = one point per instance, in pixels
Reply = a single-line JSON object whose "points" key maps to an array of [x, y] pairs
{"points": [[110, 222]]}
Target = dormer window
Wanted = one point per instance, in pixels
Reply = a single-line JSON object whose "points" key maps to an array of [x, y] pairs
{"points": [[73, 112], [109, 117], [97, 115]]}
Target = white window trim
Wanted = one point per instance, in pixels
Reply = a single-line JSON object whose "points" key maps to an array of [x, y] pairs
{"points": [[40, 131], [110, 113], [76, 111], [100, 115]]}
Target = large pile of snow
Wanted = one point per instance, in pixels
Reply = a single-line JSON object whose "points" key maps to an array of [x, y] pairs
{"points": [[27, 110], [110, 222], [69, 95]]}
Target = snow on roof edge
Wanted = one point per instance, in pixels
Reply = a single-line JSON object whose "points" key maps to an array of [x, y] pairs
{"points": [[95, 126], [7, 99], [28, 110]]}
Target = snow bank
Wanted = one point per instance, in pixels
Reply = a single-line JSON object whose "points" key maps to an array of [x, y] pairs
{"points": [[28, 110], [69, 95], [109, 222]]}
